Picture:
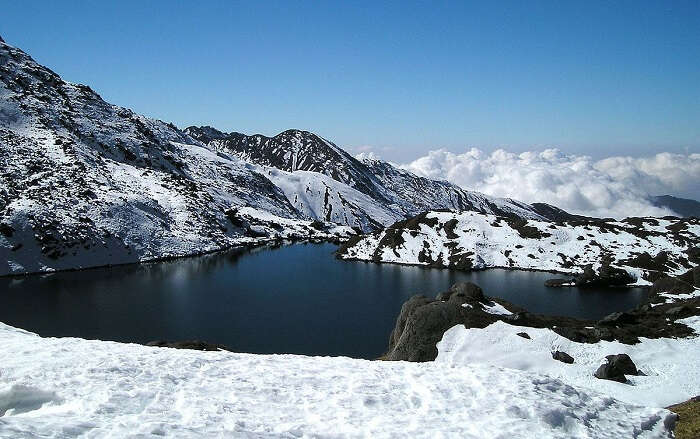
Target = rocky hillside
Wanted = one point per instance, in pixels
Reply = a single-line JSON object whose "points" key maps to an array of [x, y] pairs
{"points": [[87, 183], [635, 250]]}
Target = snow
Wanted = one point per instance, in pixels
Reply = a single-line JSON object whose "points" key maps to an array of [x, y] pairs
{"points": [[670, 365], [489, 241], [67, 387], [497, 308]]}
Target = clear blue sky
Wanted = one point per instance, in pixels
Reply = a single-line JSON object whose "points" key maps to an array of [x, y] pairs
{"points": [[587, 77]]}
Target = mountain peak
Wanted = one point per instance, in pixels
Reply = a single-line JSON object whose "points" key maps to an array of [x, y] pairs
{"points": [[205, 133]]}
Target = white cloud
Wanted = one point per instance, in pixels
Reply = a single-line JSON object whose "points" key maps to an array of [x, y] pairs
{"points": [[615, 186]]}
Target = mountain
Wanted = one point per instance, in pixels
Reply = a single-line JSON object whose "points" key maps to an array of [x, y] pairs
{"points": [[397, 193], [682, 206], [294, 150], [87, 183]]}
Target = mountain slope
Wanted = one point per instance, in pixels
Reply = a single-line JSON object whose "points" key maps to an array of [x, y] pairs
{"points": [[87, 183], [294, 150], [399, 193]]}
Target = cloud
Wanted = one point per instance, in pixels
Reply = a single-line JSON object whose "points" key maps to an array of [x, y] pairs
{"points": [[613, 187]]}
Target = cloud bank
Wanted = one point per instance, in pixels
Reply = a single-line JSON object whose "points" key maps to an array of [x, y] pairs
{"points": [[613, 187]]}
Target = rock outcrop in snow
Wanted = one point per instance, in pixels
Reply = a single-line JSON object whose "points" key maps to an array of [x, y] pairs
{"points": [[423, 321]]}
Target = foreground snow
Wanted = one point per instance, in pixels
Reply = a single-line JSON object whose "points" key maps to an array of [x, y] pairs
{"points": [[66, 387], [670, 365]]}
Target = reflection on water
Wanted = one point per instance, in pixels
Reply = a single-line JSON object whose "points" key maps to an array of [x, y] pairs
{"points": [[292, 299]]}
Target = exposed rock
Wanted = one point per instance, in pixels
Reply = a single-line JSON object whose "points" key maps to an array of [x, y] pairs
{"points": [[616, 367], [463, 292], [423, 328], [558, 282], [606, 276], [563, 357], [406, 310], [523, 335], [608, 372], [617, 318]]}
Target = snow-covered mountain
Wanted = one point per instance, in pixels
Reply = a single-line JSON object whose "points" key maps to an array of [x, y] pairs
{"points": [[87, 183], [385, 188], [643, 247]]}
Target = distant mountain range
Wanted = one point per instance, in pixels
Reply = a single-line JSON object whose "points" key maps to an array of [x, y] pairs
{"points": [[87, 183], [682, 206]]}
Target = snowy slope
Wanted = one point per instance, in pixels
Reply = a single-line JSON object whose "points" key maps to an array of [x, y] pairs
{"points": [[294, 150], [318, 196], [87, 183], [470, 240], [70, 387], [670, 365]]}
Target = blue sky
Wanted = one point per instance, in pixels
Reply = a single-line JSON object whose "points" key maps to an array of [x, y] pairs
{"points": [[404, 78]]}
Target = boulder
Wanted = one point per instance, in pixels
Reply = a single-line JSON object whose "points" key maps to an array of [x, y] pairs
{"points": [[563, 357], [616, 367]]}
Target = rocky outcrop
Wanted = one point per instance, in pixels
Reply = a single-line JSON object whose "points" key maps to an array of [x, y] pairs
{"points": [[423, 321], [616, 368], [605, 276], [563, 357]]}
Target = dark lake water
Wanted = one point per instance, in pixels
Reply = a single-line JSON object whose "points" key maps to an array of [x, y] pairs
{"points": [[292, 299]]}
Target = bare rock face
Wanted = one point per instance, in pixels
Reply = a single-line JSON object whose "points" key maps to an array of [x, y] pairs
{"points": [[423, 330]]}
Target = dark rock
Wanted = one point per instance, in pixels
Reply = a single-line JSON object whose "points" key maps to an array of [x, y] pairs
{"points": [[616, 367], [406, 310], [606, 276], [623, 363], [683, 284], [523, 335], [563, 357], [617, 318], [423, 329], [466, 291], [557, 282], [608, 372], [6, 230], [678, 312]]}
